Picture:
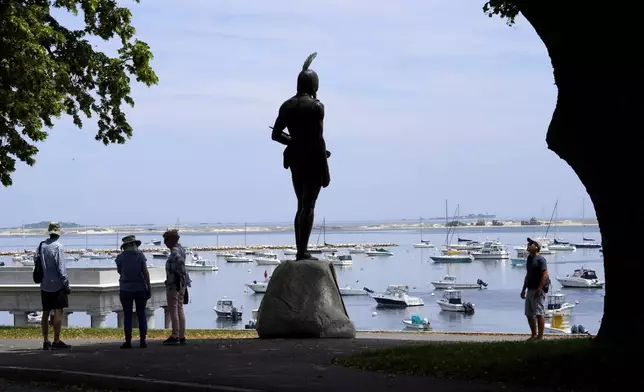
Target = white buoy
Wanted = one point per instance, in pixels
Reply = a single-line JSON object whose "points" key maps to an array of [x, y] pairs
{"points": [[577, 302], [374, 314], [432, 294]]}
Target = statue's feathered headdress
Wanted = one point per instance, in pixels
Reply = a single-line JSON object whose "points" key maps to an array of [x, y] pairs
{"points": [[307, 80], [309, 60]]}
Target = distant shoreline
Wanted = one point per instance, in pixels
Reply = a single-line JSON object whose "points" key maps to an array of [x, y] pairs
{"points": [[274, 229]]}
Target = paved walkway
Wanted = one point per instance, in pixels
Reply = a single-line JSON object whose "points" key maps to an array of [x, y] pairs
{"points": [[242, 365]]}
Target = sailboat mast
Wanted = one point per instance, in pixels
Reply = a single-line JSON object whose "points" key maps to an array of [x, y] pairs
{"points": [[551, 218], [583, 216], [421, 229], [324, 230], [446, 226]]}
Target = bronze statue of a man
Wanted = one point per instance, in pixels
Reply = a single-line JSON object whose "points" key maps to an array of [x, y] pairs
{"points": [[305, 153]]}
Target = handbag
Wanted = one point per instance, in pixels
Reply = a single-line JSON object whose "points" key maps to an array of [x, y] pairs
{"points": [[38, 272], [186, 297]]}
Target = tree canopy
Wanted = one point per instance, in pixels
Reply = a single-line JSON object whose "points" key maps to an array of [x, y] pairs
{"points": [[47, 70], [503, 8]]}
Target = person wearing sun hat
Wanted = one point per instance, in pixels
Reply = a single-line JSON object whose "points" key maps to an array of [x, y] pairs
{"points": [[535, 285], [54, 286], [134, 284]]}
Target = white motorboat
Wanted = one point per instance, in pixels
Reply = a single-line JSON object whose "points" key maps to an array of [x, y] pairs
{"points": [[545, 249], [71, 258], [581, 278], [452, 301], [248, 251], [378, 252], [357, 249], [340, 260], [492, 250], [415, 322], [557, 305], [464, 244], [449, 281], [328, 249], [100, 256], [252, 323], [267, 258], [290, 252], [156, 242], [200, 264], [18, 258], [258, 287], [161, 255], [34, 317], [395, 296], [226, 308], [521, 259], [349, 291], [452, 256], [225, 254], [563, 247], [265, 253], [238, 258], [26, 261]]}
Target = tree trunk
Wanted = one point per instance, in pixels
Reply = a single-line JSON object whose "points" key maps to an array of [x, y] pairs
{"points": [[597, 129]]}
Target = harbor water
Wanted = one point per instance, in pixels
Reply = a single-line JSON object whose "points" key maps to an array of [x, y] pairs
{"points": [[499, 307]]}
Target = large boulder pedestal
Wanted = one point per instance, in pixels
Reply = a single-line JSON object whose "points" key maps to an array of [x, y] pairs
{"points": [[303, 300]]}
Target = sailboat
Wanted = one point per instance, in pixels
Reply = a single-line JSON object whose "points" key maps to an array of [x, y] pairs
{"points": [[246, 251], [451, 255], [423, 243], [587, 243], [326, 248], [559, 244]]}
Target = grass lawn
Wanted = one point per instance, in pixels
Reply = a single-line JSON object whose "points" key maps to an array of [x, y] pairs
{"points": [[117, 333], [568, 364]]}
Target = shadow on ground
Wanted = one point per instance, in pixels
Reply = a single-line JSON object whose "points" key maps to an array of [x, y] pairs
{"points": [[251, 364]]}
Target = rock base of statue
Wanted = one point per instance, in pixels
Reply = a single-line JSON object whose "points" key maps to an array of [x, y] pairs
{"points": [[303, 300]]}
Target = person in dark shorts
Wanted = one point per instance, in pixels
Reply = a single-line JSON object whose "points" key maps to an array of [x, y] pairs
{"points": [[536, 279], [54, 287]]}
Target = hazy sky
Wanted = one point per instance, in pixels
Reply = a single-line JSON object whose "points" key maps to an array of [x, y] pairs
{"points": [[425, 100]]}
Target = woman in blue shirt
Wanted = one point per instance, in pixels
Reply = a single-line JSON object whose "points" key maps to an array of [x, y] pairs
{"points": [[134, 286]]}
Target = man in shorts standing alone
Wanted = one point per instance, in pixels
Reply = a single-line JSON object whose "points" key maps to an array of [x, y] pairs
{"points": [[536, 280]]}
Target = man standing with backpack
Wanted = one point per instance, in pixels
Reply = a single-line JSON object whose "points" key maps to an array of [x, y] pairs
{"points": [[50, 268], [537, 284]]}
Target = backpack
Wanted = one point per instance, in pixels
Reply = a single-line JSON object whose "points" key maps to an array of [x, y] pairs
{"points": [[38, 273]]}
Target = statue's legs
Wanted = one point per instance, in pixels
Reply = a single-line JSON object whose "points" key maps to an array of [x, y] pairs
{"points": [[307, 195]]}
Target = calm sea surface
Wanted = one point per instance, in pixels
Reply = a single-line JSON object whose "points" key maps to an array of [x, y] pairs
{"points": [[498, 308]]}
